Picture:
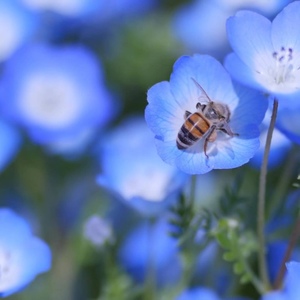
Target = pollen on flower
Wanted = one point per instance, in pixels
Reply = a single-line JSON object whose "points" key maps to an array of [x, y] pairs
{"points": [[281, 73], [283, 65]]}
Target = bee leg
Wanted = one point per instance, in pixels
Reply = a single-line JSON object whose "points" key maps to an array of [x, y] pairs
{"points": [[205, 147], [200, 106], [228, 130], [211, 137], [186, 114]]}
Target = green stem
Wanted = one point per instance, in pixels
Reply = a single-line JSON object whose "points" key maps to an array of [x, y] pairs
{"points": [[261, 202], [252, 277]]}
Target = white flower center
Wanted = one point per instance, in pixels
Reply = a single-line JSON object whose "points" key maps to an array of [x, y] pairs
{"points": [[284, 66], [49, 101], [148, 183], [9, 275], [282, 74]]}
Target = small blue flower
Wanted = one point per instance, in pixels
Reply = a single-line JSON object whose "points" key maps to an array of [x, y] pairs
{"points": [[291, 290], [171, 103], [151, 244], [198, 293], [266, 54], [17, 25], [55, 93], [10, 141], [133, 171], [98, 231], [22, 255]]}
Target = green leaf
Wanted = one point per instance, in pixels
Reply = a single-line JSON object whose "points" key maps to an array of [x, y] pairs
{"points": [[229, 256], [238, 268]]}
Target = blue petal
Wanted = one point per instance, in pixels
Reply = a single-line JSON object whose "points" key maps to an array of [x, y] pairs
{"points": [[285, 27], [241, 72], [288, 123], [250, 37], [190, 162], [163, 114], [151, 239], [198, 293], [292, 280], [275, 296], [209, 73], [237, 152], [13, 229], [31, 258], [10, 140]]}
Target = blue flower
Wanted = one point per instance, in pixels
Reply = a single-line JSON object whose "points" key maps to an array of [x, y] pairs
{"points": [[151, 244], [71, 8], [17, 25], [198, 293], [10, 141], [98, 231], [201, 24], [291, 289], [171, 102], [133, 171], [55, 93], [191, 27], [22, 255], [266, 54]]}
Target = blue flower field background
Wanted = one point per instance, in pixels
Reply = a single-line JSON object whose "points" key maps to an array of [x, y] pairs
{"points": [[149, 150]]}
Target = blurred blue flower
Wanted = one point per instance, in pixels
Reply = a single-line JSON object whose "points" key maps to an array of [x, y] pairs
{"points": [[201, 24], [97, 230], [150, 248], [17, 26], [22, 255], [198, 293], [288, 117], [71, 8], [280, 146], [55, 92], [266, 54], [170, 103], [291, 289], [86, 8], [10, 141], [133, 171]]}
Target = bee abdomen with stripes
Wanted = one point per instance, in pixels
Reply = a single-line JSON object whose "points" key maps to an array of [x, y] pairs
{"points": [[193, 129]]}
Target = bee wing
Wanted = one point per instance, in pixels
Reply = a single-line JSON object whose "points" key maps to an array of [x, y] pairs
{"points": [[203, 97]]}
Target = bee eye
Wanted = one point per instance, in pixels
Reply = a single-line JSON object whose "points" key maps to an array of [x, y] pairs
{"points": [[213, 114]]}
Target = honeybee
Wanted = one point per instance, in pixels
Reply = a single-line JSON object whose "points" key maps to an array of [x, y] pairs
{"points": [[209, 118]]}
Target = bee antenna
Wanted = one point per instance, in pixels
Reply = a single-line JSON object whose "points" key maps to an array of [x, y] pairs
{"points": [[201, 88]]}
